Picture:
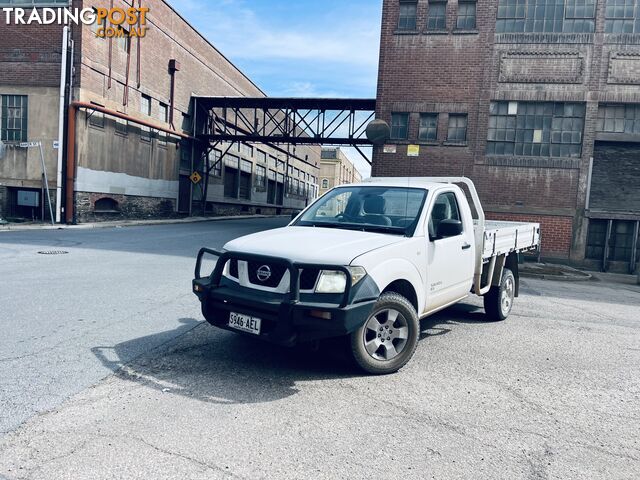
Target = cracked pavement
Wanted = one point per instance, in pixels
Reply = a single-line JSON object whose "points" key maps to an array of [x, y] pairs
{"points": [[552, 393]]}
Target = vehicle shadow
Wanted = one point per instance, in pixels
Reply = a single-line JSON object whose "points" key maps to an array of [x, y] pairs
{"points": [[216, 366], [442, 322], [211, 365]]}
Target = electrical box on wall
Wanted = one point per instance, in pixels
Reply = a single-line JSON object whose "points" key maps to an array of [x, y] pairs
{"points": [[28, 199]]}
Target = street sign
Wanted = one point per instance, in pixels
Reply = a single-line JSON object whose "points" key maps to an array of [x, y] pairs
{"points": [[29, 144], [196, 178], [413, 151]]}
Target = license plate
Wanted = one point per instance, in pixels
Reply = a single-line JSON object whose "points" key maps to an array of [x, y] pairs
{"points": [[245, 323]]}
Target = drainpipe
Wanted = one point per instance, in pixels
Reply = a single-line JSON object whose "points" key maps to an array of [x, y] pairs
{"points": [[71, 164], [63, 85], [174, 66]]}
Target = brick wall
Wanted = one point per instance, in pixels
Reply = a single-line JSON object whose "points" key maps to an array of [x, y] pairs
{"points": [[30, 54], [129, 207]]}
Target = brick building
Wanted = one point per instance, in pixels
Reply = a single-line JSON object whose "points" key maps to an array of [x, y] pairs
{"points": [[336, 169], [133, 157], [538, 101]]}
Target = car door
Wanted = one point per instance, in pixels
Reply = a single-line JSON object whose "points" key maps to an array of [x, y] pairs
{"points": [[449, 260]]}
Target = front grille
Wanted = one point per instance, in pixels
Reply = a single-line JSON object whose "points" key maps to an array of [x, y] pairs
{"points": [[308, 278], [257, 274]]}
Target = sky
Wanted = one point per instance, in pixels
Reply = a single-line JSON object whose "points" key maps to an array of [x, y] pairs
{"points": [[300, 48]]}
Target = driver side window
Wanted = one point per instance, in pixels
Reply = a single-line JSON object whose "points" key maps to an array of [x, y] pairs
{"points": [[445, 208]]}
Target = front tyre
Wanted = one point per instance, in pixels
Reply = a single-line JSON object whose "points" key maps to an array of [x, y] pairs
{"points": [[499, 301], [389, 337]]}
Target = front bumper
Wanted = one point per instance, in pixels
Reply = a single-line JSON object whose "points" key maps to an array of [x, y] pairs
{"points": [[287, 319]]}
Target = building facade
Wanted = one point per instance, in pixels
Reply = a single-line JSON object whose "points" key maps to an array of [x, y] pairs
{"points": [[336, 169], [125, 167], [537, 101]]}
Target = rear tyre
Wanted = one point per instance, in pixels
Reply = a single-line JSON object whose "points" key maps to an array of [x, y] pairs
{"points": [[389, 337], [499, 301]]}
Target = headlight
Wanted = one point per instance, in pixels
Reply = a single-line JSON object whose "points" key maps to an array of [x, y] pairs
{"points": [[332, 281]]}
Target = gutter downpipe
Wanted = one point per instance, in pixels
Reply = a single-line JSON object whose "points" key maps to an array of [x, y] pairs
{"points": [[69, 210], [63, 86], [71, 145]]}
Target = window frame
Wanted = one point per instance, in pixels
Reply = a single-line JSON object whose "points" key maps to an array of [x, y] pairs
{"points": [[536, 129], [164, 118], [395, 127], [410, 23], [467, 3], [458, 116], [5, 107], [437, 19], [421, 128], [145, 100], [431, 228]]}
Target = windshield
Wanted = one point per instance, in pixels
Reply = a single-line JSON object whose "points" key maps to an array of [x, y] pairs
{"points": [[393, 210]]}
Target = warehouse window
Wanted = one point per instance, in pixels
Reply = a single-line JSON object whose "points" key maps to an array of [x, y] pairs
{"points": [[428, 127], [261, 178], [231, 167], [546, 16], [437, 16], [618, 119], [538, 129], [163, 116], [96, 119], [620, 17], [399, 126], [145, 105], [145, 109], [215, 163], [329, 154], [596, 238], [408, 15], [246, 169], [457, 128], [466, 16], [621, 243], [122, 126], [13, 120]]}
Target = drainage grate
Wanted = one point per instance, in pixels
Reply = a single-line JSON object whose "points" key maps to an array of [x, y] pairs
{"points": [[53, 252]]}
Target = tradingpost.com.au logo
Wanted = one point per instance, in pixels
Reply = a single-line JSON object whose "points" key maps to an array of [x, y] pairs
{"points": [[121, 21]]}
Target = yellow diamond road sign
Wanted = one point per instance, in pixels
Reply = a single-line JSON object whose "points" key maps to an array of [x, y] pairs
{"points": [[196, 177]]}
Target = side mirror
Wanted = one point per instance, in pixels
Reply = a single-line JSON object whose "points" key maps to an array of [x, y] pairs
{"points": [[449, 228], [295, 214]]}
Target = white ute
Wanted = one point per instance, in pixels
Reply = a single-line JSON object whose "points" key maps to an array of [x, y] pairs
{"points": [[367, 261]]}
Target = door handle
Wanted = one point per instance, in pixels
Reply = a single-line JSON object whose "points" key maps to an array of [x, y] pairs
{"points": [[466, 246]]}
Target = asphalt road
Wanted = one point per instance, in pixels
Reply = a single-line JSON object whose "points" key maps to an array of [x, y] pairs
{"points": [[61, 316], [552, 393]]}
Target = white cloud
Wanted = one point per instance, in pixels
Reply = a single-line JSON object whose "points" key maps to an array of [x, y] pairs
{"points": [[241, 33]]}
